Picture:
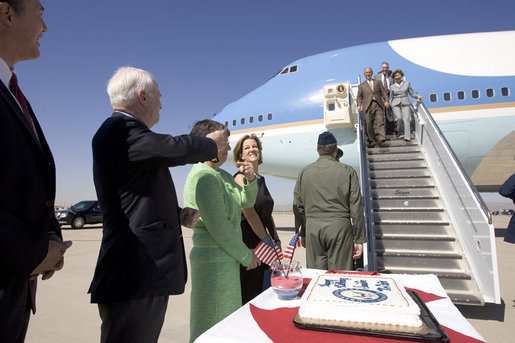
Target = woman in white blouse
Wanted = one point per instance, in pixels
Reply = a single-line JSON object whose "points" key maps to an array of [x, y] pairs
{"points": [[400, 103]]}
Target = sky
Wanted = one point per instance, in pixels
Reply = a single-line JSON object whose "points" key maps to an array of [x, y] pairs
{"points": [[204, 55]]}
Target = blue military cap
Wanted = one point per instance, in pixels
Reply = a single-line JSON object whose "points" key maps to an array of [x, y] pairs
{"points": [[326, 138]]}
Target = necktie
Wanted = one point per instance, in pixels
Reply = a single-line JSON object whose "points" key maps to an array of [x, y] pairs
{"points": [[371, 84], [15, 89], [385, 84]]}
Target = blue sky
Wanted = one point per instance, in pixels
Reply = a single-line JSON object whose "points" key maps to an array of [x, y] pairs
{"points": [[204, 55]]}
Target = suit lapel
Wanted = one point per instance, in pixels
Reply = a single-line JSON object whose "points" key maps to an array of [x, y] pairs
{"points": [[18, 113]]}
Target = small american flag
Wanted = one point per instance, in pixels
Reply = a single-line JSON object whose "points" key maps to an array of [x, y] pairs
{"points": [[288, 252], [267, 251]]}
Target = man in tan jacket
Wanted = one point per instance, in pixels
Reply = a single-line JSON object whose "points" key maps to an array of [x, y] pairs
{"points": [[373, 99]]}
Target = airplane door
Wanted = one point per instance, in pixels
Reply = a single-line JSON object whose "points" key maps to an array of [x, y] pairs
{"points": [[337, 106]]}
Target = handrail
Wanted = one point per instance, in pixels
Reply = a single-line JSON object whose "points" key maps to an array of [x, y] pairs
{"points": [[465, 176], [365, 192], [469, 214]]}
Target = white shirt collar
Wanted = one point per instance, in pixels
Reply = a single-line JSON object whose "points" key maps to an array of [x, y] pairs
{"points": [[125, 114], [5, 73]]}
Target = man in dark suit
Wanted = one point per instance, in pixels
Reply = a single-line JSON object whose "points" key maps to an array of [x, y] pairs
{"points": [[373, 99], [142, 259], [30, 242], [385, 77]]}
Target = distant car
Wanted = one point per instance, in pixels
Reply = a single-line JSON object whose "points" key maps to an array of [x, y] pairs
{"points": [[84, 212]]}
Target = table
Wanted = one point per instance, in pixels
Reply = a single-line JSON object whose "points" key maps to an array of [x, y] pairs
{"points": [[268, 319]]}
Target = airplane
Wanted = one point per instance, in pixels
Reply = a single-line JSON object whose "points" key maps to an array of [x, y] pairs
{"points": [[466, 81], [423, 214]]}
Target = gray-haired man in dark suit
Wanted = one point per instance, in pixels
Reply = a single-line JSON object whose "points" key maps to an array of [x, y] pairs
{"points": [[141, 260]]}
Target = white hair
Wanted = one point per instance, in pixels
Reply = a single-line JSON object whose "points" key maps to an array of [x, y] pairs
{"points": [[126, 82]]}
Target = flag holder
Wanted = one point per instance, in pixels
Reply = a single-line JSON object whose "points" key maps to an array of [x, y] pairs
{"points": [[292, 253]]}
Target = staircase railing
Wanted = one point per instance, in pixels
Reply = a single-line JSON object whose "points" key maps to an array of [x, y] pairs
{"points": [[467, 210], [370, 253]]}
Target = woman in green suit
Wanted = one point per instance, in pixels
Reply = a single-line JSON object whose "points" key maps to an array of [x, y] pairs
{"points": [[218, 249]]}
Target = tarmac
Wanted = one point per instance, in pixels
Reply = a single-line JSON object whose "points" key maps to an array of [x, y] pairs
{"points": [[65, 314]]}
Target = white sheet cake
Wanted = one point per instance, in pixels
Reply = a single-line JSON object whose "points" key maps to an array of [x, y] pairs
{"points": [[375, 303]]}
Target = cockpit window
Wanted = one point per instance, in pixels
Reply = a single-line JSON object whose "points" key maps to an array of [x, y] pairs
{"points": [[286, 70]]}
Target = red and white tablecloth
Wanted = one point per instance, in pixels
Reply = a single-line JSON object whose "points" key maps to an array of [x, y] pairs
{"points": [[268, 319]]}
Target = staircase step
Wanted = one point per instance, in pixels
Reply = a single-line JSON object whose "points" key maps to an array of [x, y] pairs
{"points": [[406, 205], [419, 246], [394, 150], [466, 298], [413, 230], [420, 261], [401, 173], [417, 254], [412, 193], [401, 183], [408, 236], [401, 156], [409, 217], [461, 284], [395, 144], [397, 165], [440, 273]]}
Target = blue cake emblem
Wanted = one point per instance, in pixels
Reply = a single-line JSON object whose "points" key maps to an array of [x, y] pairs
{"points": [[360, 295]]}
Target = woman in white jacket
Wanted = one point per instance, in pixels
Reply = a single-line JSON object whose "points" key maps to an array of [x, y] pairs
{"points": [[400, 103]]}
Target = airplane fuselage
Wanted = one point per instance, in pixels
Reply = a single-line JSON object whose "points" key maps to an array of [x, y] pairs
{"points": [[466, 83]]}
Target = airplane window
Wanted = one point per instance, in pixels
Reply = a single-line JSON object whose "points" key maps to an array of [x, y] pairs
{"points": [[293, 69], [269, 117], [490, 92], [260, 117], [284, 71], [433, 97], [226, 124], [242, 121], [461, 95], [234, 122], [475, 93], [331, 107], [251, 119], [505, 91], [447, 96]]}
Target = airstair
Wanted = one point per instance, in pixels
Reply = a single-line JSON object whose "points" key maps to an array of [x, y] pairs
{"points": [[424, 215]]}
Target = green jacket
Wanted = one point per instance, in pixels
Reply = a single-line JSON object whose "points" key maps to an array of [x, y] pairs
{"points": [[219, 200]]}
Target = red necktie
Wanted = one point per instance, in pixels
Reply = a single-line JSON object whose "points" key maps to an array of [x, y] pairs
{"points": [[15, 89]]}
